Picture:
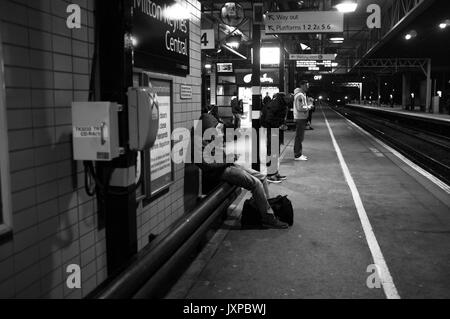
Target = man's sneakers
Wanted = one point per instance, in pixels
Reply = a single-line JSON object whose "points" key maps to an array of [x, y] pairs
{"points": [[274, 179], [301, 158], [270, 221]]}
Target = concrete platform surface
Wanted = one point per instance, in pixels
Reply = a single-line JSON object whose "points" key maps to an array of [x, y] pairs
{"points": [[326, 253]]}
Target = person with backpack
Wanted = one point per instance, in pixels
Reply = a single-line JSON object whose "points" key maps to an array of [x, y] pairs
{"points": [[237, 108], [310, 114], [238, 175], [273, 117], [267, 99], [302, 108]]}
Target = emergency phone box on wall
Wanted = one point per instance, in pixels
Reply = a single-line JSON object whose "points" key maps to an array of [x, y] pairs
{"points": [[143, 118], [95, 131]]}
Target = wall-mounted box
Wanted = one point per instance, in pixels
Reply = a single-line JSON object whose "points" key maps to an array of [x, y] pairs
{"points": [[95, 131]]}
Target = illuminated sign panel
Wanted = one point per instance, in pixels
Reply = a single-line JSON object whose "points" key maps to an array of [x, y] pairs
{"points": [[224, 67], [318, 66], [161, 39], [304, 22]]}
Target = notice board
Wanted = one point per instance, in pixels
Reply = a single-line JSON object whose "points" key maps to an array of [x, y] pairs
{"points": [[157, 162]]}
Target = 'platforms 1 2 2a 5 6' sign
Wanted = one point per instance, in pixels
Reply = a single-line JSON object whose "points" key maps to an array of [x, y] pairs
{"points": [[160, 30], [304, 22]]}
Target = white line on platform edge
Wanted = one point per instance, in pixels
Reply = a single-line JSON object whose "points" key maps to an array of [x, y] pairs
{"points": [[384, 275], [418, 169]]}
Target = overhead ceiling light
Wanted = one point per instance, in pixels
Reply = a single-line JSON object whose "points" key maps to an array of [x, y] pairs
{"points": [[444, 24], [233, 44], [337, 39], [304, 47], [411, 35], [270, 55], [234, 41], [177, 12], [347, 6], [208, 66]]}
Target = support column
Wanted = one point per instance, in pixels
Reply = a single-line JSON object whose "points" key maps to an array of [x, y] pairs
{"points": [[428, 96], [117, 197], [360, 93], [256, 93], [213, 85], [379, 90], [406, 87], [281, 70]]}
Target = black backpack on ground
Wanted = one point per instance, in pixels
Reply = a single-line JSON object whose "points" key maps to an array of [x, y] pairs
{"points": [[281, 205]]}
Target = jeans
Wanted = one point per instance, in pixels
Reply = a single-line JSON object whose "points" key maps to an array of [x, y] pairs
{"points": [[252, 181], [310, 114], [273, 166], [299, 137], [237, 121]]}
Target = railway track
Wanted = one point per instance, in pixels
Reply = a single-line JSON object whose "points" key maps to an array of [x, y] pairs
{"points": [[429, 150]]}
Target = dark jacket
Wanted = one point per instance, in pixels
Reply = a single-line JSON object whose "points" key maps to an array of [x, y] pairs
{"points": [[216, 169], [274, 113], [237, 106]]}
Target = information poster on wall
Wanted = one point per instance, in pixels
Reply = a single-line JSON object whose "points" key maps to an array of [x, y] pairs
{"points": [[160, 169]]}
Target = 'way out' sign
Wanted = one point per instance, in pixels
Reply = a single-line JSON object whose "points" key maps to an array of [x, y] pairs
{"points": [[304, 22]]}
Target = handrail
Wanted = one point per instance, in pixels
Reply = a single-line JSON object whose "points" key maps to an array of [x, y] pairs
{"points": [[149, 261]]}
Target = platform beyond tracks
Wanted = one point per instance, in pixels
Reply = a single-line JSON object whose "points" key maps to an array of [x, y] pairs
{"points": [[399, 110]]}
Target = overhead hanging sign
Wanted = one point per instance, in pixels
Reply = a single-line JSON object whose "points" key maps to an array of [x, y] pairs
{"points": [[320, 65], [208, 39], [312, 57], [304, 22], [166, 46]]}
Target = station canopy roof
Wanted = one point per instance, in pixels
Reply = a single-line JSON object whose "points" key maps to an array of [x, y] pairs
{"points": [[398, 18]]}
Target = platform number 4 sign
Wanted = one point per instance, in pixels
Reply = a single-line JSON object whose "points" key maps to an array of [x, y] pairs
{"points": [[208, 40]]}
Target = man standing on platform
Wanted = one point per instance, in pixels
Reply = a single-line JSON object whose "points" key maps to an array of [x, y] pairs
{"points": [[302, 107], [267, 99]]}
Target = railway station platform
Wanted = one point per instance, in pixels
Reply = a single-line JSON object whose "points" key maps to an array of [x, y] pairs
{"points": [[400, 110], [357, 203]]}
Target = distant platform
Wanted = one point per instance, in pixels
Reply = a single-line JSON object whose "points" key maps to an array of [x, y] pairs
{"points": [[400, 110]]}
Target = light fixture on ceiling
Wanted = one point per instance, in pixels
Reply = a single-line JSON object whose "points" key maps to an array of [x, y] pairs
{"points": [[337, 39], [177, 12], [412, 34], [444, 24], [304, 47], [270, 55], [208, 66], [234, 41], [347, 6]]}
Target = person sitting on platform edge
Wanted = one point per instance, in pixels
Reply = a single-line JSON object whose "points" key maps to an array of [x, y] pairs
{"points": [[235, 174]]}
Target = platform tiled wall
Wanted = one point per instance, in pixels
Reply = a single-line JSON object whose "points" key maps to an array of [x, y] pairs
{"points": [[156, 217], [47, 66]]}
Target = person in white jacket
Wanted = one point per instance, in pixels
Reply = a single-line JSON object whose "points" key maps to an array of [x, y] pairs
{"points": [[302, 107]]}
